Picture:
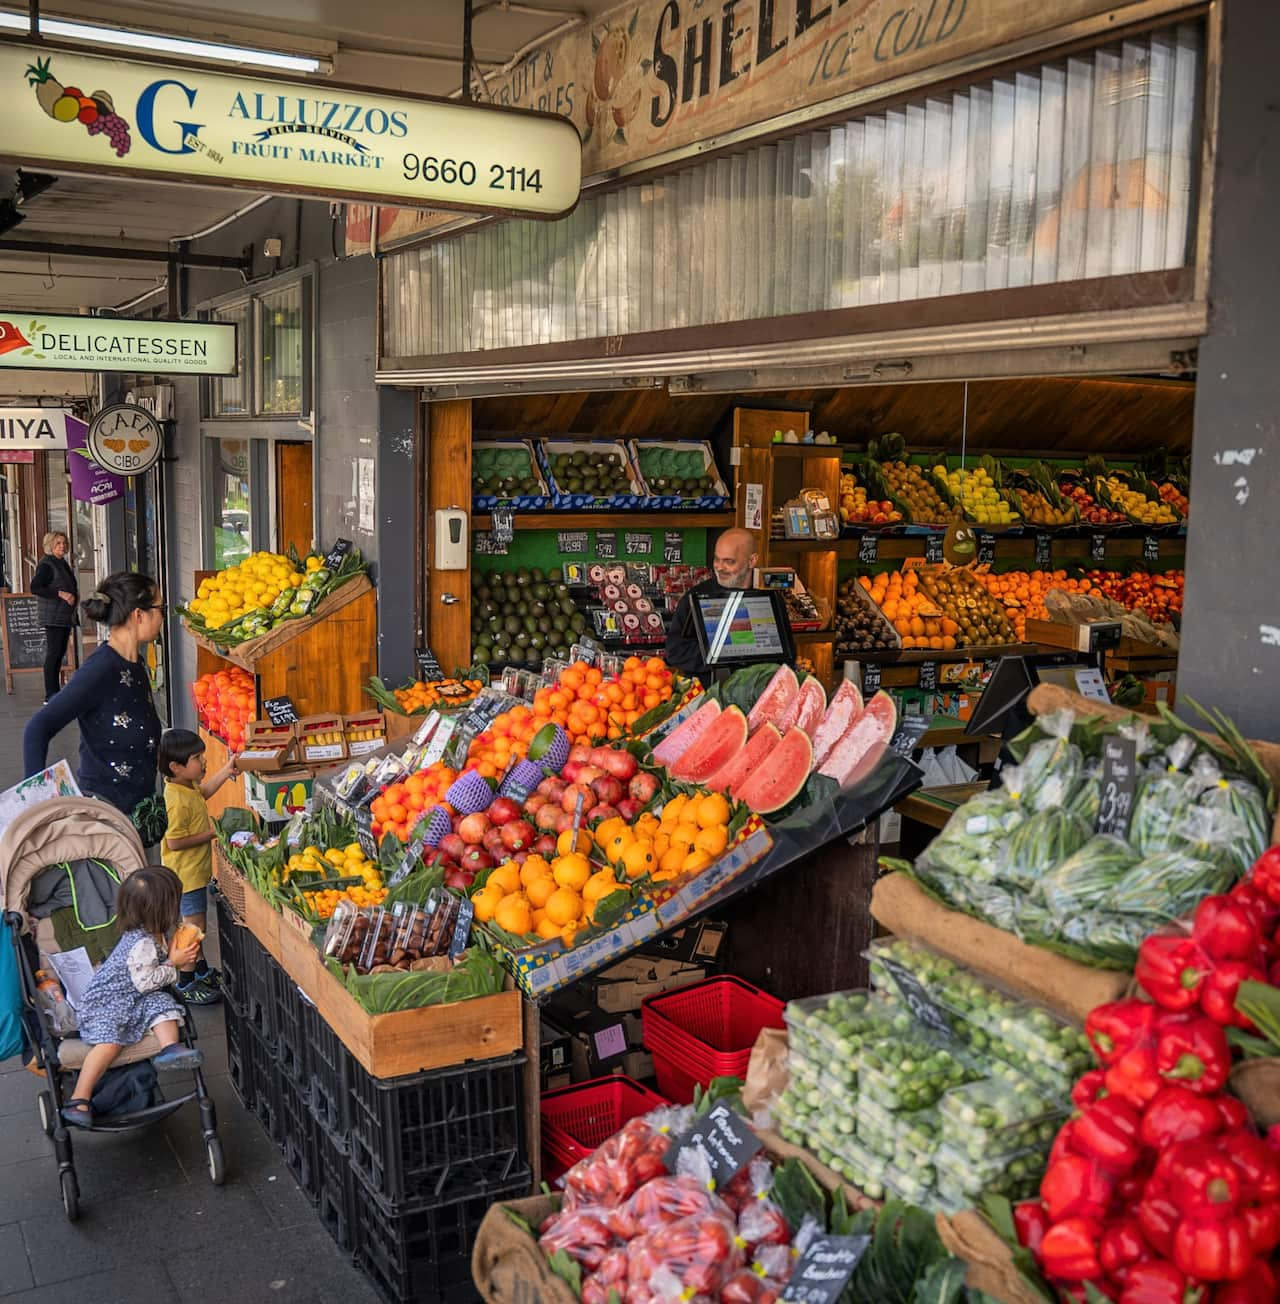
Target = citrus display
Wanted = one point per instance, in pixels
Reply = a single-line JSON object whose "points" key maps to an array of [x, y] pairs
{"points": [[254, 583], [331, 863], [225, 702]]}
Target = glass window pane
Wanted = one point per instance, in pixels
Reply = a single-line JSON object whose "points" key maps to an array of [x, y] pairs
{"points": [[280, 323], [229, 395], [232, 526]]}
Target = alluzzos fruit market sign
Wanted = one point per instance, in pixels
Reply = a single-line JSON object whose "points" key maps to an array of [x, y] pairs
{"points": [[173, 348], [67, 110]]}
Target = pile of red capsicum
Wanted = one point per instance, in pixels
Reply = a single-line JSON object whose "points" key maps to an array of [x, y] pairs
{"points": [[1159, 1189]]}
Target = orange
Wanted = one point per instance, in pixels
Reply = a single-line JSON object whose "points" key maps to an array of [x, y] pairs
{"points": [[514, 914], [607, 829], [695, 861], [546, 930], [571, 871], [638, 859], [617, 845], [712, 810], [671, 811], [534, 867], [538, 916], [540, 890], [506, 876], [712, 840], [672, 861], [564, 906], [685, 835], [600, 885], [485, 902], [565, 842], [569, 933]]}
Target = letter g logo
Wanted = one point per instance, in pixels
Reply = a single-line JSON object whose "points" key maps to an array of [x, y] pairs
{"points": [[147, 120]]}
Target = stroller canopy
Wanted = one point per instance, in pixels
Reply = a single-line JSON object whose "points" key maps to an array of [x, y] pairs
{"points": [[64, 829]]}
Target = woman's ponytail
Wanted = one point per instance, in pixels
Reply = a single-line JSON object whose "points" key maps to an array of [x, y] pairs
{"points": [[118, 596]]}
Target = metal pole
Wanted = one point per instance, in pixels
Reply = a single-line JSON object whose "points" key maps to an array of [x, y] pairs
{"points": [[468, 53]]}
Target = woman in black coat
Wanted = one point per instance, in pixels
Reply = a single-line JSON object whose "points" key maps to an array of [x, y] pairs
{"points": [[54, 583]]}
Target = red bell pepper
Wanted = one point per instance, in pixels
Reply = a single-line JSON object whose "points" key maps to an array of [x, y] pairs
{"points": [[1262, 1222], [1030, 1221], [1235, 1113], [1170, 970], [1108, 1133], [1159, 1282], [1158, 1215], [1123, 1245], [1079, 1291], [1213, 1249], [1265, 875], [1089, 1088], [1201, 1179], [1069, 1250], [1063, 1143], [1218, 995], [1075, 1187], [1114, 1028], [1257, 1286], [1265, 912], [1226, 929], [1177, 1113], [1255, 1161], [1130, 1187], [1194, 1052], [1135, 1076]]}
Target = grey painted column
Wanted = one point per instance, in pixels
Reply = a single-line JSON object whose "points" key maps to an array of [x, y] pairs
{"points": [[1231, 635], [398, 476]]}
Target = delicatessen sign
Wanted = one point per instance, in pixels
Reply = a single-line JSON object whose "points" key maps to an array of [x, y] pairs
{"points": [[53, 343]]}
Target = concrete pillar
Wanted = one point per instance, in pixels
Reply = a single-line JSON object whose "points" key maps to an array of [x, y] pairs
{"points": [[398, 584], [1231, 634]]}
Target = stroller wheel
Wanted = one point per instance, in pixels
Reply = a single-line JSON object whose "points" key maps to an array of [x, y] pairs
{"points": [[44, 1103], [215, 1162], [70, 1194]]}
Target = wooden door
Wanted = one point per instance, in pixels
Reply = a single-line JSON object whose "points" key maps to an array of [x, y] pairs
{"points": [[448, 615], [294, 510]]}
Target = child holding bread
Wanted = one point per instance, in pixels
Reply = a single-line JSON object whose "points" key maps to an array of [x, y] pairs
{"points": [[126, 997], [188, 843]]}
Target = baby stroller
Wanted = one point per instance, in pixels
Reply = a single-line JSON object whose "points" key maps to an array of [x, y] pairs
{"points": [[38, 852]]}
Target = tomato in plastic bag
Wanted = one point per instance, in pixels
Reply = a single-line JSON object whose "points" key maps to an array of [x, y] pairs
{"points": [[699, 1252], [663, 1200]]}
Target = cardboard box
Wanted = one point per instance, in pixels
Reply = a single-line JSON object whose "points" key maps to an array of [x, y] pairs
{"points": [[321, 739], [279, 796], [371, 724], [700, 943], [600, 1042], [625, 986], [268, 747], [556, 1056]]}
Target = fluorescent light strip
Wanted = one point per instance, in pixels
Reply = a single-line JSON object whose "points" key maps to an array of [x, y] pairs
{"points": [[166, 44]]}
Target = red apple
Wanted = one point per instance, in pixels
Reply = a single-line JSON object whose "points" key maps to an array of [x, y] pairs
{"points": [[492, 841], [607, 789], [575, 792], [628, 808], [459, 879], [518, 835], [622, 765], [473, 828], [643, 787], [502, 810], [548, 818], [600, 812], [545, 846], [453, 846], [475, 859]]}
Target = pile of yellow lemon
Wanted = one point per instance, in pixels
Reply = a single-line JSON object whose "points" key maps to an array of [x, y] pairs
{"points": [[256, 582], [1138, 505], [338, 862]]}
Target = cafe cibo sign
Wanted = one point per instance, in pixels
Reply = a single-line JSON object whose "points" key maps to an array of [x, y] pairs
{"points": [[68, 110], [174, 348]]}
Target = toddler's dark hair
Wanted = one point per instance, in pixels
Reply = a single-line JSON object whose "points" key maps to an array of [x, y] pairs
{"points": [[177, 747], [149, 899], [118, 596]]}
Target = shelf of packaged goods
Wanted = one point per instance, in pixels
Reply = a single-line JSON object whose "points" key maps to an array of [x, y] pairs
{"points": [[613, 520]]}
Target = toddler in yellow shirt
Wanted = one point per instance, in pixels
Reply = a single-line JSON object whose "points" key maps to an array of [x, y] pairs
{"points": [[188, 840]]}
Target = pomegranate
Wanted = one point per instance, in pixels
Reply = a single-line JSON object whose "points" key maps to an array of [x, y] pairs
{"points": [[580, 753], [519, 835], [622, 765], [503, 810], [628, 808], [475, 859], [589, 773], [548, 818], [535, 803], [472, 829], [642, 788], [600, 812], [550, 788], [574, 793], [452, 846], [545, 846], [492, 841], [459, 879], [607, 789]]}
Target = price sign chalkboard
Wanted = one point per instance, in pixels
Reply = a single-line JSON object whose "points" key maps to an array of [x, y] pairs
{"points": [[869, 549], [639, 545], [1044, 551], [933, 548], [924, 1009], [673, 547], [502, 526], [24, 641], [986, 547], [364, 833], [1119, 781], [280, 710], [482, 544], [1150, 548], [429, 669], [910, 731], [606, 545], [823, 1270], [928, 675], [870, 678], [1097, 547], [571, 543], [726, 1140], [333, 558]]}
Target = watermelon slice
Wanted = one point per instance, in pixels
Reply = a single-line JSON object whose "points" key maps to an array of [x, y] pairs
{"points": [[676, 743], [813, 706], [776, 700], [778, 779], [845, 708], [724, 738], [860, 749], [737, 768]]}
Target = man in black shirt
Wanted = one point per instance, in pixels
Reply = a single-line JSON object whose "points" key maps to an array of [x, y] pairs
{"points": [[733, 564]]}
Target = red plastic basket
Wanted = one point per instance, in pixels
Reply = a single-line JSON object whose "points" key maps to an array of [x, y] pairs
{"points": [[575, 1120], [722, 1016], [675, 1082], [696, 1058]]}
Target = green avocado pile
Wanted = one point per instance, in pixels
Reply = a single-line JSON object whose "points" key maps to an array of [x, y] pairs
{"points": [[680, 471], [520, 616], [506, 472]]}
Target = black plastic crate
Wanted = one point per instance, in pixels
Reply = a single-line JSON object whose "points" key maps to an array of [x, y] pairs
{"points": [[259, 996], [297, 1135], [231, 943], [240, 1068], [288, 1020], [424, 1256], [335, 1188], [331, 1067], [434, 1136], [265, 1081]]}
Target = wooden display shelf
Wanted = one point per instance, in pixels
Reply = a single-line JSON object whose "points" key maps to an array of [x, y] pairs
{"points": [[1054, 633], [915, 656], [809, 450], [613, 520], [1121, 546], [813, 636]]}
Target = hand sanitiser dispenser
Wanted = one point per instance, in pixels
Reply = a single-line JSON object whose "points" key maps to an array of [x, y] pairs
{"points": [[451, 539]]}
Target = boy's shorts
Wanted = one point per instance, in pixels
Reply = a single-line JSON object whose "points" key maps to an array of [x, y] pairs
{"points": [[194, 902]]}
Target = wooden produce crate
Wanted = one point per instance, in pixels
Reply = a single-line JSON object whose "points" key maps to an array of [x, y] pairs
{"points": [[247, 903]]}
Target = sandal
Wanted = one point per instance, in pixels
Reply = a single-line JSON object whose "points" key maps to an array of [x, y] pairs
{"points": [[78, 1112]]}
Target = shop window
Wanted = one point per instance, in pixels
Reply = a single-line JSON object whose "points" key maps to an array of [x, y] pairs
{"points": [[231, 396], [232, 514], [280, 352]]}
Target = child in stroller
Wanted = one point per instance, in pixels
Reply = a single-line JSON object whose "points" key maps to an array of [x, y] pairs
{"points": [[126, 997]]}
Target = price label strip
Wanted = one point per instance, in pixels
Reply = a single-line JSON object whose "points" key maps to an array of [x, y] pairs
{"points": [[638, 545], [280, 710], [606, 545], [364, 833], [1119, 783], [824, 1269], [1044, 551], [502, 528], [870, 677], [724, 1138], [933, 548], [909, 734], [672, 547], [928, 676], [986, 547], [571, 543], [924, 1009], [869, 549], [1150, 548], [1097, 547]]}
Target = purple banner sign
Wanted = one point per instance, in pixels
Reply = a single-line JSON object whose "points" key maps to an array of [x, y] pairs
{"points": [[89, 482]]}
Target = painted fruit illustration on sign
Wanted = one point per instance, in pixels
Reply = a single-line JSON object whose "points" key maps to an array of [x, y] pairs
{"points": [[65, 104], [617, 83]]}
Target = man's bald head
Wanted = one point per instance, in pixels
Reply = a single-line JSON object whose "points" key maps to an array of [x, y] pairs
{"points": [[735, 558]]}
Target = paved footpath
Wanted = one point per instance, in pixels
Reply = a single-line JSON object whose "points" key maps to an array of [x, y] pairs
{"points": [[152, 1229]]}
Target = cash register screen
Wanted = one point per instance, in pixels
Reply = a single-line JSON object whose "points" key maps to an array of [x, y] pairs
{"points": [[742, 627]]}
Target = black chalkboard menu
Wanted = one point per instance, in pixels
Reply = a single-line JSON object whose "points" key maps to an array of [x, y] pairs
{"points": [[24, 641]]}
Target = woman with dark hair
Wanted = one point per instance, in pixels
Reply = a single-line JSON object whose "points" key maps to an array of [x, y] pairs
{"points": [[54, 583], [110, 697]]}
